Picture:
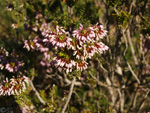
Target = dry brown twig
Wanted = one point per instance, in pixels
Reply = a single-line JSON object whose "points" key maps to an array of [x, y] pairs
{"points": [[37, 93], [69, 95]]}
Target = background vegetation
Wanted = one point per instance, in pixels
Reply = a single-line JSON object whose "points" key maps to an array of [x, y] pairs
{"points": [[115, 82]]}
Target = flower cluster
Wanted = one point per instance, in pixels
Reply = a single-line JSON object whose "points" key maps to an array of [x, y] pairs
{"points": [[11, 64], [72, 50], [58, 37], [35, 27], [14, 85], [65, 62], [37, 44], [3, 53]]}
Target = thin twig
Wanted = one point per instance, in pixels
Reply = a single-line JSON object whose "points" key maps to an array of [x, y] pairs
{"points": [[109, 83], [122, 100], [100, 83], [37, 93], [126, 43], [133, 101], [69, 96], [69, 82], [60, 6], [133, 72], [131, 47], [131, 6], [116, 9], [142, 102]]}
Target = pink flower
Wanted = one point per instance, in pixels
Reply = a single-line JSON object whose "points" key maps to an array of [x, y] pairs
{"points": [[90, 34], [26, 45], [24, 110], [73, 49], [80, 54], [44, 49], [45, 63], [5, 89], [57, 37], [46, 55], [14, 26], [3, 53], [91, 50], [66, 63], [81, 65], [34, 45], [13, 86], [101, 47], [13, 66]]}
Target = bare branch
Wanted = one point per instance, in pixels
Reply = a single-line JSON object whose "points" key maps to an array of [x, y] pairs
{"points": [[133, 100], [131, 47], [69, 96], [60, 6], [69, 82], [37, 93], [122, 97], [100, 83], [142, 102], [133, 72], [126, 43], [116, 9], [132, 4]]}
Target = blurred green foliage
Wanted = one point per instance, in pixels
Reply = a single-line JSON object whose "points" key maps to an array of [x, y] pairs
{"points": [[90, 97]]}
